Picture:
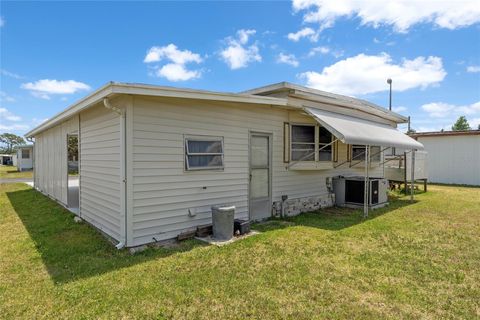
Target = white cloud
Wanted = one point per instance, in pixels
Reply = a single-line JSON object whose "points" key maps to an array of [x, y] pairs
{"points": [[473, 69], [244, 35], [363, 74], [177, 72], [443, 110], [316, 50], [325, 50], [172, 53], [46, 87], [399, 14], [399, 109], [5, 97], [288, 59], [438, 109], [7, 115], [176, 69], [475, 123], [307, 32], [37, 121], [237, 54], [7, 73], [13, 127]]}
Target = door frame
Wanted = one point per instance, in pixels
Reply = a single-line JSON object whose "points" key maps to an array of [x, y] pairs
{"points": [[269, 135]]}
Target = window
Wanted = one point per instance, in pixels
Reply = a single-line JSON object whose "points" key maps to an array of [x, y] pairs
{"points": [[375, 153], [203, 153], [358, 153], [303, 143], [325, 142], [25, 154]]}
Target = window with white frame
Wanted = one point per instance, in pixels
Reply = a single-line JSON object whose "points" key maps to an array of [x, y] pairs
{"points": [[324, 144], [25, 154], [203, 153], [303, 143]]}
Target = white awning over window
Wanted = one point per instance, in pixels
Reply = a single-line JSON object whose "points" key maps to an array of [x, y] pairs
{"points": [[353, 130]]}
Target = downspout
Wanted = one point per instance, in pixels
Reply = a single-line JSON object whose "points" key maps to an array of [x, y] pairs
{"points": [[123, 125]]}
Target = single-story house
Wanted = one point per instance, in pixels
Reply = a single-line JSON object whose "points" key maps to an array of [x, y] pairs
{"points": [[453, 156], [6, 159], [24, 158], [153, 160]]}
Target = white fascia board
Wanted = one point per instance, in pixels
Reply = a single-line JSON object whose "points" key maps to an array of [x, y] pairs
{"points": [[156, 91], [148, 90]]}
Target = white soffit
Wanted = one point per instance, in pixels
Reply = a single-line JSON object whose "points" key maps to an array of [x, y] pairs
{"points": [[353, 130]]}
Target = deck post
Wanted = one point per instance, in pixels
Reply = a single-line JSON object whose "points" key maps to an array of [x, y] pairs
{"points": [[365, 195], [412, 187], [405, 183]]}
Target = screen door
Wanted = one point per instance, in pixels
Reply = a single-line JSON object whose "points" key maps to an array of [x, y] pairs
{"points": [[260, 176]]}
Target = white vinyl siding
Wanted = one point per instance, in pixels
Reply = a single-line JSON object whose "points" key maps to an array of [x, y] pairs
{"points": [[453, 159], [163, 192], [100, 180], [51, 160]]}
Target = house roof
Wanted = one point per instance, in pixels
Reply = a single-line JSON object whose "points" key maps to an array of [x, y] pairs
{"points": [[445, 133], [295, 90], [255, 96]]}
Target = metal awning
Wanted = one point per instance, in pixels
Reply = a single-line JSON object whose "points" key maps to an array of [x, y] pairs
{"points": [[352, 130]]}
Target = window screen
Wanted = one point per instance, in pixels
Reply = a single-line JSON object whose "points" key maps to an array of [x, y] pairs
{"points": [[303, 143], [203, 153], [324, 138], [358, 153], [25, 154]]}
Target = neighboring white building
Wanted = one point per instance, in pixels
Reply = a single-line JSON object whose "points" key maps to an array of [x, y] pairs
{"points": [[24, 158], [6, 159], [453, 156], [154, 160]]}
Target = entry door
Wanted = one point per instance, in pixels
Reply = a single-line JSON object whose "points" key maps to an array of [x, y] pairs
{"points": [[260, 199]]}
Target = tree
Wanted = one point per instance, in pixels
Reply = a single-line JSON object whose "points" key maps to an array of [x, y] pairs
{"points": [[461, 124], [478, 127], [411, 130], [10, 141]]}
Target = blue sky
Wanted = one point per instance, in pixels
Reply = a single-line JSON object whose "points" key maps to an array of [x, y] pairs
{"points": [[54, 53]]}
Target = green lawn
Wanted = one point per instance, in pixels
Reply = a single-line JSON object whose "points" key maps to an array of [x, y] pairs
{"points": [[419, 260], [10, 172]]}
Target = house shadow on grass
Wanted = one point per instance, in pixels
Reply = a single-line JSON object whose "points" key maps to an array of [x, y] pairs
{"points": [[73, 251], [332, 218]]}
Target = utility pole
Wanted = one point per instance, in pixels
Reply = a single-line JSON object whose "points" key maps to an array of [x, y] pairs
{"points": [[389, 81]]}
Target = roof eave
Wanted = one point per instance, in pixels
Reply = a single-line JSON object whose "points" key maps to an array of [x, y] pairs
{"points": [[327, 97], [137, 89]]}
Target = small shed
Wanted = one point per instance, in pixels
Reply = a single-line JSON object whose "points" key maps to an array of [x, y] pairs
{"points": [[24, 158], [453, 156]]}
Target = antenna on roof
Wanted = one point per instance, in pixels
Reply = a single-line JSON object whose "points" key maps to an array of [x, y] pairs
{"points": [[389, 81]]}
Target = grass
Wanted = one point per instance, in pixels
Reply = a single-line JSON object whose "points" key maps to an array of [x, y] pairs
{"points": [[410, 260], [10, 172]]}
